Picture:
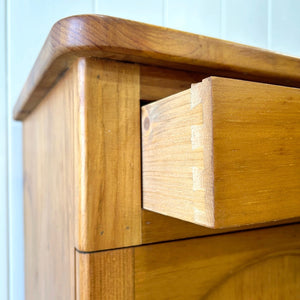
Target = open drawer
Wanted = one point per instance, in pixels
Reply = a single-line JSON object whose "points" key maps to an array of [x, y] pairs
{"points": [[224, 153]]}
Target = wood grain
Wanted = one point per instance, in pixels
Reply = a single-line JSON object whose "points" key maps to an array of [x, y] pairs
{"points": [[256, 264], [108, 37], [108, 211], [256, 152], [82, 169], [177, 156], [157, 228], [275, 284], [224, 153], [49, 193], [105, 275], [157, 82]]}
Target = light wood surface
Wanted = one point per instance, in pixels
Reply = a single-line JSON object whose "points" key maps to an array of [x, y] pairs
{"points": [[49, 194], [275, 284], [157, 228], [108, 212], [108, 37], [224, 153], [256, 152], [158, 82], [105, 275], [177, 156], [100, 221], [256, 264]]}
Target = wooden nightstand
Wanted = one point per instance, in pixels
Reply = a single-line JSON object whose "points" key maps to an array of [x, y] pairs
{"points": [[224, 154]]}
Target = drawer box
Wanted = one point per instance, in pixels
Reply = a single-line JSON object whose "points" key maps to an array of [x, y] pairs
{"points": [[224, 153]]}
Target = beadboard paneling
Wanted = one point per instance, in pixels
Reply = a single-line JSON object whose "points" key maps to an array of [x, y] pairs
{"points": [[144, 11], [245, 22], [3, 159], [15, 208], [30, 23], [285, 26], [197, 16]]}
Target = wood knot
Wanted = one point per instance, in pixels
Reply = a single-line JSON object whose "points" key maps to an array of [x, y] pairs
{"points": [[146, 123]]}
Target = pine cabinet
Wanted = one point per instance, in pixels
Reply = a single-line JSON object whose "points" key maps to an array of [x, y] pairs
{"points": [[159, 164]]}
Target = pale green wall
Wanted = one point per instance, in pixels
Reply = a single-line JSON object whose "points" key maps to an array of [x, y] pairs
{"points": [[24, 24]]}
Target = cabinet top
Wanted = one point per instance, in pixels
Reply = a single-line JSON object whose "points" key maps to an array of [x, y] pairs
{"points": [[124, 40]]}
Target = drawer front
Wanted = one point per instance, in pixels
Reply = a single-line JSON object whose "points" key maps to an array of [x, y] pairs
{"points": [[256, 264], [224, 153]]}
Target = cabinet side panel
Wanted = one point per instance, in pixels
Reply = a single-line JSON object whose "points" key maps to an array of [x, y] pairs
{"points": [[49, 194], [105, 275]]}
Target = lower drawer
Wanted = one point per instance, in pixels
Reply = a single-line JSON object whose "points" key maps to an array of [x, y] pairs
{"points": [[256, 264]]}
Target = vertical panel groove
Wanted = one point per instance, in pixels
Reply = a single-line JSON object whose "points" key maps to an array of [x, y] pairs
{"points": [[95, 6], [269, 42], [8, 122], [4, 232], [222, 21], [164, 14], [6, 145]]}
